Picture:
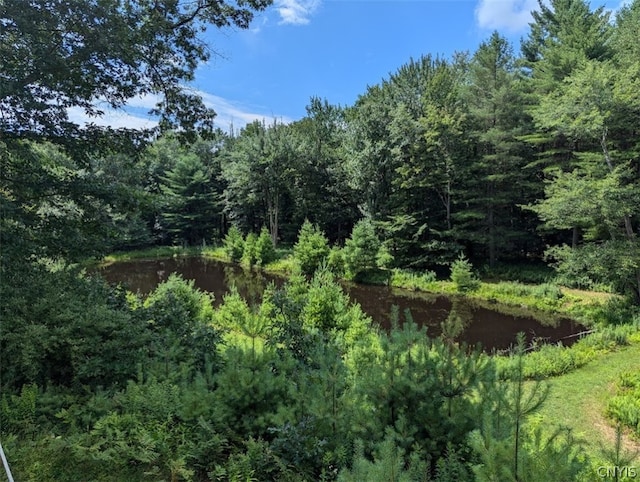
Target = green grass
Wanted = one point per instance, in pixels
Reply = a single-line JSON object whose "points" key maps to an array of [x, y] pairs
{"points": [[578, 399], [151, 253]]}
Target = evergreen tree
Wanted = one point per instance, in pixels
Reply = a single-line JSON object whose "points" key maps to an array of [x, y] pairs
{"points": [[311, 249], [191, 208], [496, 180]]}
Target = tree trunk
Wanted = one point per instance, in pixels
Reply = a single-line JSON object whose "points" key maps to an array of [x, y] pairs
{"points": [[628, 226]]}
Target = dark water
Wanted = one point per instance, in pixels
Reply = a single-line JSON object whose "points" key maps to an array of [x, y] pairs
{"points": [[494, 326]]}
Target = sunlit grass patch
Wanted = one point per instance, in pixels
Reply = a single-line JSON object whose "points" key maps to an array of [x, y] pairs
{"points": [[283, 265], [579, 399], [151, 253]]}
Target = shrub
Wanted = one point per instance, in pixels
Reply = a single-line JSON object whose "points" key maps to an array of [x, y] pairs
{"points": [[616, 311], [311, 249], [548, 291], [177, 303], [624, 407], [335, 261], [233, 312], [265, 252], [234, 244], [363, 251], [463, 276], [413, 281], [249, 255]]}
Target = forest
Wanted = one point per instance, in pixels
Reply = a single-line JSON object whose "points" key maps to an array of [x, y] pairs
{"points": [[512, 163]]}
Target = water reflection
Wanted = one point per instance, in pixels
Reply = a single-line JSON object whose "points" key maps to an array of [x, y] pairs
{"points": [[494, 326]]}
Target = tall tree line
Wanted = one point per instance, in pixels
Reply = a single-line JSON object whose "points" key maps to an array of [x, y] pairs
{"points": [[503, 156]]}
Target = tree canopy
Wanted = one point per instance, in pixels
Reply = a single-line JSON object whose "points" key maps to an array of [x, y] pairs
{"points": [[93, 54]]}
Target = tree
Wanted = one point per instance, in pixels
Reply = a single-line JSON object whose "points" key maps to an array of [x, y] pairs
{"points": [[361, 249], [191, 207], [257, 166], [265, 251], [234, 244], [51, 207], [429, 132], [311, 249], [59, 55], [496, 181], [593, 111], [81, 55], [321, 191], [564, 33], [405, 140]]}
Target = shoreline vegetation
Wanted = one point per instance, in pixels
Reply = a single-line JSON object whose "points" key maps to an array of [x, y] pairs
{"points": [[543, 297], [561, 367], [589, 308]]}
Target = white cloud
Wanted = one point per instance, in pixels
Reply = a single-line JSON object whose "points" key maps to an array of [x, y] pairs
{"points": [[134, 116], [511, 15], [111, 118], [231, 113], [296, 12]]}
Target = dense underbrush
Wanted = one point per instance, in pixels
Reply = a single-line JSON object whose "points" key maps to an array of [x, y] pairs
{"points": [[298, 387]]}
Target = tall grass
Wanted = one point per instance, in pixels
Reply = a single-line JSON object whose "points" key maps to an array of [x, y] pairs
{"points": [[553, 360]]}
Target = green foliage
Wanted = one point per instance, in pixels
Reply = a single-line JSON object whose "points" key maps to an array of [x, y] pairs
{"points": [[624, 406], [181, 319], [413, 281], [265, 252], [537, 273], [251, 396], [463, 276], [311, 249], [363, 251], [18, 412], [616, 311], [191, 209], [512, 445], [176, 304], [250, 255], [234, 244], [452, 468], [390, 463], [326, 303], [75, 73], [233, 312], [590, 266], [60, 328], [551, 360], [336, 261], [101, 385]]}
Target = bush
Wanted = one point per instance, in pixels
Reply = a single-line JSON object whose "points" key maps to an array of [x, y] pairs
{"points": [[335, 261], [311, 249], [548, 291], [624, 407], [616, 311], [463, 276], [177, 303], [249, 255], [234, 244], [363, 251], [413, 281], [265, 252]]}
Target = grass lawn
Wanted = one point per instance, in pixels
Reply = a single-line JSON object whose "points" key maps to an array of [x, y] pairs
{"points": [[578, 399]]}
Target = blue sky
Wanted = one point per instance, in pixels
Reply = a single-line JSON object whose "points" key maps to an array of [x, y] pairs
{"points": [[333, 49]]}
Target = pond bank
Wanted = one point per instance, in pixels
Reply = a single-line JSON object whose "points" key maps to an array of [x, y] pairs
{"points": [[490, 324], [542, 298]]}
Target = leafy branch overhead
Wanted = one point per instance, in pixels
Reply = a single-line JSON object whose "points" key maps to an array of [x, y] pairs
{"points": [[87, 54]]}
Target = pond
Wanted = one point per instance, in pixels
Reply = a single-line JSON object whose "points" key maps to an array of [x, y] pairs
{"points": [[494, 326]]}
